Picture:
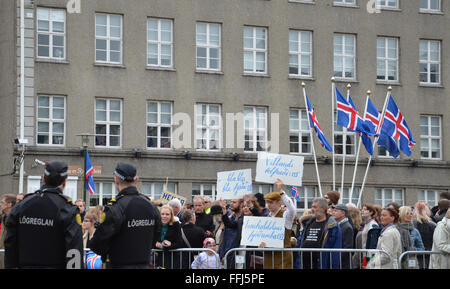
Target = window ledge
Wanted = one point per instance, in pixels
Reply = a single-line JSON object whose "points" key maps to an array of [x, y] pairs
{"points": [[295, 77], [109, 65], [395, 83], [346, 80], [431, 85], [302, 2], [55, 61], [346, 5], [430, 12], [256, 75], [390, 9], [201, 71], [159, 68]]}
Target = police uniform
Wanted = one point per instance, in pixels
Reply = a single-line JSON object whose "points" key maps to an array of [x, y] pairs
{"points": [[44, 226], [129, 226]]}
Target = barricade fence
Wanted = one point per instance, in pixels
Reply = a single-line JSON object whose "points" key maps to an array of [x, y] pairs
{"points": [[289, 258]]}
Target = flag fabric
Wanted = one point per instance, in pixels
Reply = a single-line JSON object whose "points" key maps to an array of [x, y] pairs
{"points": [[394, 125], [294, 192], [314, 123], [349, 117], [389, 144], [89, 175], [372, 116]]}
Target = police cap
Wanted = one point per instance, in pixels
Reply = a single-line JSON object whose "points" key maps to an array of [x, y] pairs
{"points": [[126, 172], [55, 173]]}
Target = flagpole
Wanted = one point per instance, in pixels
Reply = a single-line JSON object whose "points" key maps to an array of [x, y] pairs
{"points": [[344, 145], [333, 92], [374, 142], [312, 141], [84, 181], [357, 154]]}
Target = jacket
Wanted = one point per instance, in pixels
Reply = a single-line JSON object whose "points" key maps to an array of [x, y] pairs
{"points": [[389, 241], [205, 221], [167, 259], [426, 230], [441, 243], [195, 236], [230, 235], [347, 242]]}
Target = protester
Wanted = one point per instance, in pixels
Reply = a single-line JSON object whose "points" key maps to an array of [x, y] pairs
{"points": [[192, 236], [262, 203], [233, 224], [274, 202], [405, 224], [423, 223], [378, 215], [170, 239], [322, 231], [368, 214], [441, 243], [6, 203], [442, 196], [88, 226], [332, 198], [207, 202], [82, 207], [207, 259], [217, 234], [203, 220], [175, 204], [443, 206], [340, 213], [389, 241]]}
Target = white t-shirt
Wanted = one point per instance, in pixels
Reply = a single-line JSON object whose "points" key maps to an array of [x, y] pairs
{"points": [[205, 261]]}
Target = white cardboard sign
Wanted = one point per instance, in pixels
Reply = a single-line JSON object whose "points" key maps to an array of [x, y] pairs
{"points": [[271, 167], [263, 229], [234, 184]]}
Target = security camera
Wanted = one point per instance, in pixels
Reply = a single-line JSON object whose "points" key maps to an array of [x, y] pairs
{"points": [[39, 162], [21, 141]]}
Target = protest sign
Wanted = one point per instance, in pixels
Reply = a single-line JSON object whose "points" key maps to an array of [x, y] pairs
{"points": [[167, 196], [263, 229], [234, 184], [271, 167]]}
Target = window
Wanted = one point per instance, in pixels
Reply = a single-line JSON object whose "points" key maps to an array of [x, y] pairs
{"points": [[345, 199], [159, 42], [255, 128], [299, 132], [430, 61], [430, 137], [306, 193], [393, 4], [208, 127], [262, 189], [387, 59], [255, 50], [204, 190], [155, 190], [208, 46], [343, 138], [300, 53], [344, 56], [159, 124], [51, 120], [430, 197], [430, 5], [386, 196], [104, 192], [51, 33], [108, 122], [345, 2], [382, 152], [108, 38]]}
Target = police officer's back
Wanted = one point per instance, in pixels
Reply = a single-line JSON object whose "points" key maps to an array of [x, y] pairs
{"points": [[43, 228], [130, 226]]}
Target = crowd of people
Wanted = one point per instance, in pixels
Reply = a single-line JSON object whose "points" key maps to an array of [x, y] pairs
{"points": [[134, 221]]}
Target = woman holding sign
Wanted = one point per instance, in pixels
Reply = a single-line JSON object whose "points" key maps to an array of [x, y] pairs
{"points": [[274, 202]]}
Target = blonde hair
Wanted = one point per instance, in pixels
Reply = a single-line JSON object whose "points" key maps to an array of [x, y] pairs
{"points": [[421, 213], [172, 217], [403, 212], [355, 214]]}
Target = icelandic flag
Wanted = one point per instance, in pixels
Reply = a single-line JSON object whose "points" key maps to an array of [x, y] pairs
{"points": [[389, 144], [294, 192], [349, 117], [394, 125], [314, 123], [89, 177], [372, 116]]}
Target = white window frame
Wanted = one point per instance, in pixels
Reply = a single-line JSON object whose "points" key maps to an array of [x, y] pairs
{"points": [[342, 131], [208, 127], [300, 52], [50, 34], [50, 120], [430, 62], [428, 9], [429, 138], [208, 46], [159, 42], [344, 2], [309, 196], [254, 129], [300, 133], [385, 4], [159, 125], [108, 123], [254, 51], [386, 59], [152, 192], [345, 195], [383, 201], [202, 191], [108, 38], [425, 199], [99, 192], [344, 55]]}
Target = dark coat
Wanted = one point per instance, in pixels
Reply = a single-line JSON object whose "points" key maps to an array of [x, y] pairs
{"points": [[205, 221], [169, 259], [347, 243], [195, 236]]}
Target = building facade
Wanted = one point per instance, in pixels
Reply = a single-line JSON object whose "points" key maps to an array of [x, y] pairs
{"points": [[127, 73]]}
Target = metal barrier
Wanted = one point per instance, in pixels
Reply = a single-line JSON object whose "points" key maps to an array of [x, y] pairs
{"points": [[411, 259], [313, 258], [178, 258]]}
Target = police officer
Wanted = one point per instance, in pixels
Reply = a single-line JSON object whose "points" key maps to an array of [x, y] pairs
{"points": [[129, 226], [43, 230]]}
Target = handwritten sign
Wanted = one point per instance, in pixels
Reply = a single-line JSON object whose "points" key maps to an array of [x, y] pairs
{"points": [[263, 229], [167, 196], [234, 184], [271, 167]]}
